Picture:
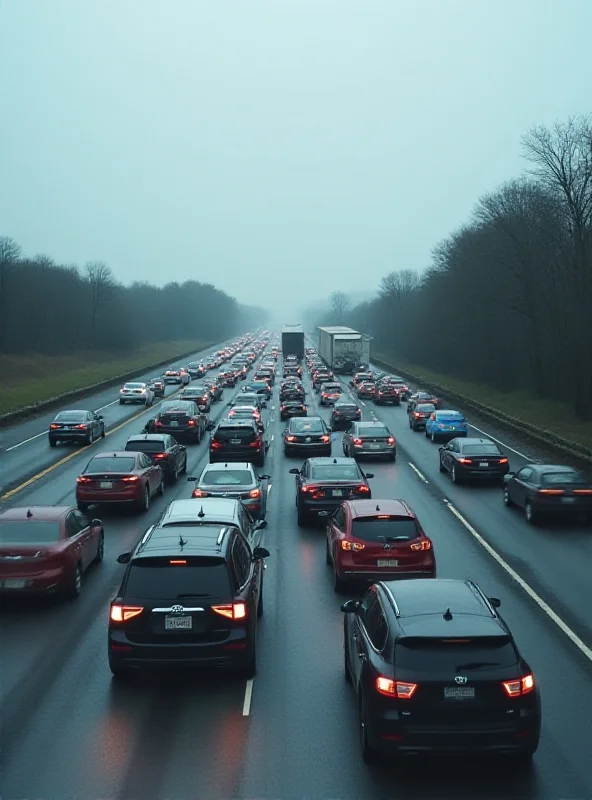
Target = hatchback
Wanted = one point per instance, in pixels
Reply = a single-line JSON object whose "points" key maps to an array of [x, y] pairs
{"points": [[237, 440], [236, 480], [446, 425]]}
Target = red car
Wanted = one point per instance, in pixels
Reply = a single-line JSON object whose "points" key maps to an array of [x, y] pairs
{"points": [[46, 549], [374, 540], [120, 477]]}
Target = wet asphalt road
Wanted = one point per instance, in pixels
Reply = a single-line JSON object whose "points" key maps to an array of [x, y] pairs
{"points": [[68, 732]]}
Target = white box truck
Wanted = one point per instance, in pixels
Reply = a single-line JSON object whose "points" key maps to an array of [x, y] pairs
{"points": [[343, 349]]}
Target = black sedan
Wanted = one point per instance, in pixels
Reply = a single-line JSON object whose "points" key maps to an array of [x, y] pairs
{"points": [[473, 458], [199, 395], [215, 389], [307, 435], [418, 416], [163, 449], [548, 490], [236, 480], [76, 426], [179, 418], [293, 408], [343, 413], [322, 484]]}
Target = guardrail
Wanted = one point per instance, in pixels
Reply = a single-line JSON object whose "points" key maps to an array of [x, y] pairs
{"points": [[538, 435], [46, 405]]}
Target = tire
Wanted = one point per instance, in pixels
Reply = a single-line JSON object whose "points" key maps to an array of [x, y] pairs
{"points": [[103, 432], [327, 553], [161, 487], [184, 470], [507, 498], [100, 550], [82, 507], [144, 503], [121, 402], [530, 513], [53, 443], [442, 467], [302, 516], [74, 587], [346, 670], [369, 755], [455, 477], [433, 438], [89, 439], [260, 603], [338, 584]]}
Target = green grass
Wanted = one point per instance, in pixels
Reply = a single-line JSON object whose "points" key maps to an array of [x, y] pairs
{"points": [[32, 378], [549, 415]]}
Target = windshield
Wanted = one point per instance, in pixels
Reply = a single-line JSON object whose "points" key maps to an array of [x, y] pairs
{"points": [[464, 655], [335, 472], [481, 450], [551, 478], [227, 477], [151, 578], [25, 531], [111, 464], [307, 426], [71, 416], [428, 408], [389, 529], [373, 430], [178, 405], [134, 386], [146, 446]]}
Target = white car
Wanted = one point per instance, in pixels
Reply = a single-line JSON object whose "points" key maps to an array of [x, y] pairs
{"points": [[136, 393]]}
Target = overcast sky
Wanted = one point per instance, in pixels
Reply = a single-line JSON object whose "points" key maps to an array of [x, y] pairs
{"points": [[279, 149]]}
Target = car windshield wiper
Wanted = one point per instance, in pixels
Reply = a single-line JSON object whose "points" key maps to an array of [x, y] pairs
{"points": [[477, 665]]}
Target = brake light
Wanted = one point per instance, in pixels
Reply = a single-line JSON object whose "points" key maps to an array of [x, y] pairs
{"points": [[80, 427], [520, 686], [191, 423], [123, 613], [551, 491], [158, 423], [83, 479], [363, 488], [465, 460], [130, 479], [255, 493], [583, 491], [160, 456], [215, 445], [256, 442], [357, 442], [345, 545], [325, 438], [199, 493], [231, 611], [177, 561], [390, 440], [54, 427], [290, 438], [425, 544], [390, 688], [310, 488]]}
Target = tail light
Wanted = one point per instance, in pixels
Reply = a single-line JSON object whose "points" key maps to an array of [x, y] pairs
{"points": [[290, 438], [357, 442], [158, 423], [390, 440], [363, 488], [465, 460], [198, 493], [54, 427], [425, 544], [325, 438], [130, 479], [345, 545], [391, 688], [520, 686], [123, 613], [255, 493], [310, 489], [583, 491], [191, 423], [256, 442], [160, 456], [503, 461], [83, 479], [80, 427], [216, 445], [551, 491], [231, 611]]}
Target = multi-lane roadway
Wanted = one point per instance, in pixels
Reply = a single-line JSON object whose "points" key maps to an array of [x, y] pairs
{"points": [[68, 732]]}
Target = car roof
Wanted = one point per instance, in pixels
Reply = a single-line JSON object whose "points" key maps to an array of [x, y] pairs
{"points": [[73, 411], [370, 508], [188, 541], [40, 513], [370, 424], [475, 440], [323, 461], [201, 511], [447, 412], [115, 454], [220, 466], [552, 467], [235, 422], [147, 437]]}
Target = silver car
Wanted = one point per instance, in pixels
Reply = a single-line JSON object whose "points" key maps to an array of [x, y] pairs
{"points": [[369, 439], [136, 393]]}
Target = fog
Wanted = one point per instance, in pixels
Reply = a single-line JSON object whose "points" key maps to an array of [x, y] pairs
{"points": [[279, 149]]}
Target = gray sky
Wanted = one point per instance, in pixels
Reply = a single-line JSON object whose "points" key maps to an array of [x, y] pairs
{"points": [[277, 148]]}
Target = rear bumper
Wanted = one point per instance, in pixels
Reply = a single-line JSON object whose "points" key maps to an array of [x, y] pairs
{"points": [[313, 447], [234, 651], [68, 436], [363, 453], [185, 431], [37, 583], [368, 576], [483, 474], [133, 495], [246, 454]]}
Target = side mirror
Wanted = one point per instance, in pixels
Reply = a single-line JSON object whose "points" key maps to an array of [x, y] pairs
{"points": [[261, 524], [124, 558], [192, 478], [495, 602], [100, 416], [264, 477], [264, 404], [330, 429], [260, 552], [210, 426], [295, 471], [369, 475], [96, 523], [510, 474], [350, 607]]}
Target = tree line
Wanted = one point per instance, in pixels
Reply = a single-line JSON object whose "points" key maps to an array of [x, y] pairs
{"points": [[49, 308], [507, 299]]}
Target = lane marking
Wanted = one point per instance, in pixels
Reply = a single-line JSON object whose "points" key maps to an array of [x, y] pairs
{"points": [[563, 626], [272, 436], [248, 696], [107, 405], [419, 474]]}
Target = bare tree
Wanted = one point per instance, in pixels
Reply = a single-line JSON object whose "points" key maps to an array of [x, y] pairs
{"points": [[340, 305], [10, 254], [102, 288], [399, 285]]}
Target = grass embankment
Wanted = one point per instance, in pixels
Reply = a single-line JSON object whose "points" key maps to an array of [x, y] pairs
{"points": [[549, 415], [33, 378]]}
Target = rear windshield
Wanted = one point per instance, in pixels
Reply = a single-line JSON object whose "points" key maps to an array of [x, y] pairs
{"points": [[393, 529], [336, 472], [449, 415], [227, 433], [227, 477], [192, 392], [178, 405], [550, 478], [134, 386], [71, 416], [146, 446], [464, 656], [111, 464], [332, 387], [481, 450], [427, 407], [345, 407], [307, 426], [372, 430], [21, 531], [152, 578]]}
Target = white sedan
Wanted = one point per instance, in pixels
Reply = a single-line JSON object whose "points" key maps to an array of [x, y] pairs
{"points": [[136, 393]]}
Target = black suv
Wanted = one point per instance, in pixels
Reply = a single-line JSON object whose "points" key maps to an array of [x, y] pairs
{"points": [[436, 668], [188, 599], [237, 440], [163, 449], [322, 484], [179, 418]]}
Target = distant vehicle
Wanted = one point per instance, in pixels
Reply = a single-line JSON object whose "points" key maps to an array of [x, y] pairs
{"points": [[293, 408], [322, 484], [369, 439], [343, 348], [173, 376], [549, 490], [385, 393], [309, 435], [293, 341], [136, 393], [163, 449], [180, 418], [330, 393], [420, 415], [76, 426], [237, 440], [446, 425], [157, 386], [119, 477], [235, 480], [198, 395], [343, 413]]}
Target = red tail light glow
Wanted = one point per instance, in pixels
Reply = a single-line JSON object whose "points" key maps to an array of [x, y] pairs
{"points": [[357, 442], [290, 438], [215, 445], [160, 456], [363, 488], [54, 427], [583, 491], [191, 423], [392, 688], [520, 686], [390, 440], [256, 442], [503, 461], [231, 611], [465, 460], [425, 544], [177, 561], [310, 489], [130, 479], [199, 493], [325, 438], [123, 613], [255, 493], [551, 491], [346, 545], [83, 479]]}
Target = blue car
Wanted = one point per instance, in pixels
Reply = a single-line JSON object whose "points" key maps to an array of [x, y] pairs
{"points": [[446, 425]]}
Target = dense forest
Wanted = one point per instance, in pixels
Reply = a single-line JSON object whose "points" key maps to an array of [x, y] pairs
{"points": [[507, 298], [53, 309]]}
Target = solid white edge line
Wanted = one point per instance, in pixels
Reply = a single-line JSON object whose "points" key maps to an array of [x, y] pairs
{"points": [[507, 446], [419, 474], [25, 441], [587, 651], [248, 696]]}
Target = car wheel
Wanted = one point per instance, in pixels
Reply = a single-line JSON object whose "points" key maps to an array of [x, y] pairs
{"points": [[161, 487], [302, 516], [53, 443], [102, 431], [507, 498], [433, 437], [442, 467], [75, 585], [455, 476], [82, 507], [144, 503], [346, 669], [260, 602], [184, 470], [327, 552], [530, 513], [426, 433], [368, 753], [393, 457], [100, 549]]}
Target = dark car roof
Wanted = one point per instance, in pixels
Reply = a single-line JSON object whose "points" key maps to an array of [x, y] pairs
{"points": [[41, 513], [370, 508], [541, 468], [147, 437], [421, 605], [220, 466], [370, 424], [206, 539], [474, 441], [236, 422], [113, 454], [323, 461]]}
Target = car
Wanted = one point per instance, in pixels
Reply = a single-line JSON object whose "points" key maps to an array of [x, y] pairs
{"points": [[419, 415], [265, 375], [185, 376], [293, 408], [47, 549], [319, 377], [366, 390], [385, 392], [369, 439], [180, 418], [473, 458], [446, 425], [215, 389], [361, 377], [401, 386], [172, 376], [235, 480], [157, 619], [136, 393], [422, 397], [436, 668], [237, 440], [76, 426], [157, 386], [343, 413], [249, 399], [307, 435], [372, 540], [227, 378], [214, 511], [292, 391], [549, 490], [330, 393], [258, 387], [322, 484], [119, 477], [163, 449], [292, 371], [199, 395], [196, 369]]}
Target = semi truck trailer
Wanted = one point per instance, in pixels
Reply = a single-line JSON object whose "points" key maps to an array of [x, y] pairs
{"points": [[343, 349], [293, 341]]}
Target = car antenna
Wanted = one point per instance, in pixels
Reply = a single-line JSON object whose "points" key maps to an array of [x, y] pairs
{"points": [[182, 541], [335, 461], [202, 513], [377, 507], [29, 514], [447, 615]]}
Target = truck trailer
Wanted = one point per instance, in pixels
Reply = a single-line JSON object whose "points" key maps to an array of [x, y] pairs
{"points": [[293, 341], [343, 349]]}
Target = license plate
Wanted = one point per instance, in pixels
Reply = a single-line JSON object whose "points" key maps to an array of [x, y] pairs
{"points": [[337, 492], [235, 441], [390, 562], [178, 623], [459, 692], [483, 465], [568, 499], [13, 583], [106, 485], [174, 423], [374, 447]]}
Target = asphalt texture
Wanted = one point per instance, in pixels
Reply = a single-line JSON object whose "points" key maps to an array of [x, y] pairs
{"points": [[70, 733]]}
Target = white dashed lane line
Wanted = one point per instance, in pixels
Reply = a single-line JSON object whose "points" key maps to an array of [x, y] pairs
{"points": [[248, 696], [419, 474]]}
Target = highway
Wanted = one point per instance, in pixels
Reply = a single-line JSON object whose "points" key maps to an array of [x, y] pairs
{"points": [[69, 733]]}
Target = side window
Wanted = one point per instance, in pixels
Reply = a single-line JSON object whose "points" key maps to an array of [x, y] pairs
{"points": [[73, 527], [524, 474], [378, 629], [81, 520], [241, 560], [340, 519], [245, 521], [455, 447], [367, 603]]}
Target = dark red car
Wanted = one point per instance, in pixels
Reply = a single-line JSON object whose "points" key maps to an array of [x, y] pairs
{"points": [[47, 549], [119, 477], [374, 540]]}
